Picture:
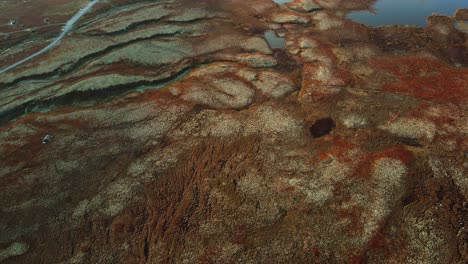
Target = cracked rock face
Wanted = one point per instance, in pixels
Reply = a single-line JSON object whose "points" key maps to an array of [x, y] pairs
{"points": [[178, 135]]}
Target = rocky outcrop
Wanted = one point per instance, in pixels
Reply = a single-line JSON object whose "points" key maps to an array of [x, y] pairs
{"points": [[149, 36], [171, 132], [228, 86]]}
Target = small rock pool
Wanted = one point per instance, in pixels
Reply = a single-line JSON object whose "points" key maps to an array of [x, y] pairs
{"points": [[274, 41]]}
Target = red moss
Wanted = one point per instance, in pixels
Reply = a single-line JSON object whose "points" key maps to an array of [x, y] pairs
{"points": [[316, 251], [10, 181], [355, 259], [338, 148], [379, 240], [29, 152], [21, 55], [118, 227], [422, 109], [354, 215], [365, 167], [426, 78], [208, 256], [397, 152], [240, 236]]}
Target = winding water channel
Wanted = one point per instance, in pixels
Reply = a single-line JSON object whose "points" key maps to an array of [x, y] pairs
{"points": [[65, 30]]}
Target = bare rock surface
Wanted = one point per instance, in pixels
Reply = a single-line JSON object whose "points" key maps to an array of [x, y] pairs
{"points": [[171, 132]]}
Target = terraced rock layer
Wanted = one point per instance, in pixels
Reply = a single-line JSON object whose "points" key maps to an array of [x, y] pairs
{"points": [[180, 136]]}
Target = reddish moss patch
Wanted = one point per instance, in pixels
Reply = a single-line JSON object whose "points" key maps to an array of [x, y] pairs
{"points": [[365, 167], [336, 147], [29, 152], [425, 78], [355, 227], [209, 255], [379, 240], [398, 152], [422, 109], [355, 258], [10, 181]]}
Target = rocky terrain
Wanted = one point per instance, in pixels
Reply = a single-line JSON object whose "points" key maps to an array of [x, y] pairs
{"points": [[177, 134]]}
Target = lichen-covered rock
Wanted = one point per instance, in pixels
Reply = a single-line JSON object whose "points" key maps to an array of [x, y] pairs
{"points": [[231, 86], [412, 128], [15, 249], [170, 132], [303, 5], [283, 17]]}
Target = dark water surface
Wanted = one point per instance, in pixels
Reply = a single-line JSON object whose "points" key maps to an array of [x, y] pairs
{"points": [[406, 12]]}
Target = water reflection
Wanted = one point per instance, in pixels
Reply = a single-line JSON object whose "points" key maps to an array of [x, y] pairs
{"points": [[281, 1], [406, 12], [274, 41]]}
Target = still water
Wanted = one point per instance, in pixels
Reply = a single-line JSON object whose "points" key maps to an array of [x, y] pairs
{"points": [[403, 12], [274, 41], [281, 1], [406, 12]]}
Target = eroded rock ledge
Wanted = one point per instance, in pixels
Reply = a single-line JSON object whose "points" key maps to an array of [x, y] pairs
{"points": [[180, 136]]}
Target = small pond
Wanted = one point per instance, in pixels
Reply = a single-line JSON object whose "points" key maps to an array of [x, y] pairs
{"points": [[274, 41]]}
